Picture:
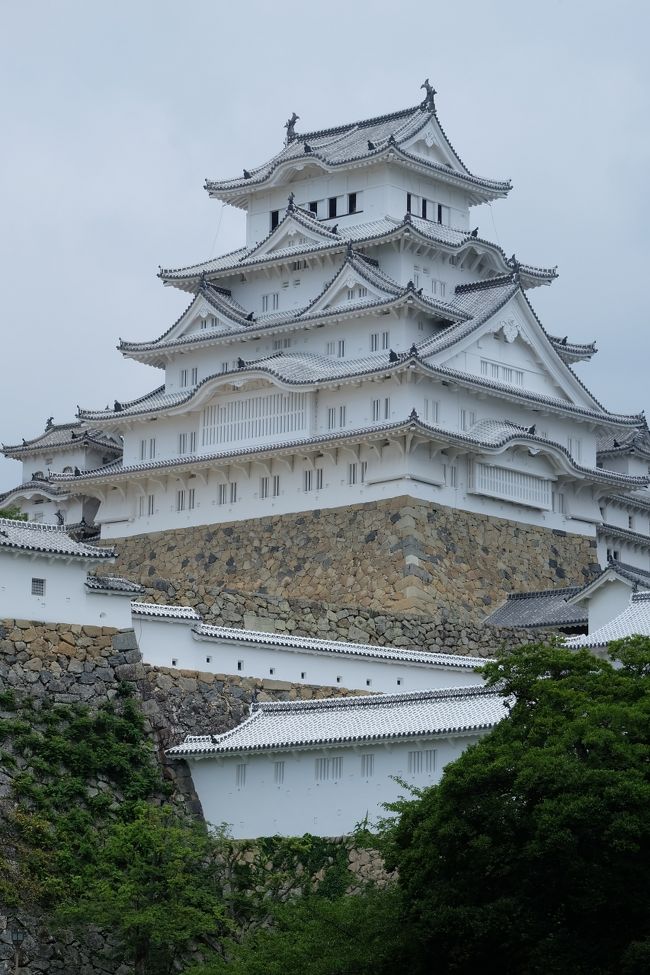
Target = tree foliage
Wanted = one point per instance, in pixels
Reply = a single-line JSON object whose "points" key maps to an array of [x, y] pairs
{"points": [[533, 853], [14, 512]]}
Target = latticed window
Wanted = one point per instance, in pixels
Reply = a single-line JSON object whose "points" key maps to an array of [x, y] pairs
{"points": [[422, 762], [253, 418], [502, 482], [328, 769]]}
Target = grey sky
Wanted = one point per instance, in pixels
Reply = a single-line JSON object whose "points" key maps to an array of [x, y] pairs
{"points": [[112, 115]]}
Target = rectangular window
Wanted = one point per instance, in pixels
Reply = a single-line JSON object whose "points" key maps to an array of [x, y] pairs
{"points": [[271, 302], [195, 375], [450, 474], [385, 340], [328, 769], [363, 470], [342, 412], [143, 450], [240, 665], [331, 418], [575, 447], [233, 492], [422, 762], [352, 473], [374, 341], [264, 488], [416, 276], [381, 408], [424, 208], [191, 498], [151, 500], [519, 377], [484, 367], [180, 500], [558, 502], [331, 207], [430, 412], [330, 348], [340, 348], [276, 485], [141, 506], [275, 218], [319, 478], [278, 773], [193, 442], [284, 343], [182, 443], [408, 202], [630, 521], [183, 379], [222, 494], [38, 587], [494, 370], [352, 202], [152, 447], [376, 409], [367, 766], [467, 419], [308, 480], [240, 776]]}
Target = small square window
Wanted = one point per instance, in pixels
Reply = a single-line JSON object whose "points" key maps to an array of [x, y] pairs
{"points": [[339, 680], [303, 674], [208, 660], [38, 587], [271, 670], [174, 661], [240, 665], [368, 682]]}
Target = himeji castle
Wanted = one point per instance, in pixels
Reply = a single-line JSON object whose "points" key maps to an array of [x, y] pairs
{"points": [[367, 342]]}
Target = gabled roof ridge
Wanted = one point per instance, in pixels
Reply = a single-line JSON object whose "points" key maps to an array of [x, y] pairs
{"points": [[190, 267], [377, 700], [485, 285], [360, 124], [544, 593]]}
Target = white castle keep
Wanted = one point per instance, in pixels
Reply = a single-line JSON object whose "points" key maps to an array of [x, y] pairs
{"points": [[367, 342]]}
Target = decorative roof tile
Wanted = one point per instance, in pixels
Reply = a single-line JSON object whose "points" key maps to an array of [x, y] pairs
{"points": [[634, 620], [207, 631], [342, 721], [31, 536]]}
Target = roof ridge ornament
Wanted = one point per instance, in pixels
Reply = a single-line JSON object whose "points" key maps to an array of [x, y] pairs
{"points": [[291, 206], [413, 415], [290, 126], [428, 104]]}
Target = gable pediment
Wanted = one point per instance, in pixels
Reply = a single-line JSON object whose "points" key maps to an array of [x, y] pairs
{"points": [[431, 145], [292, 232], [349, 286], [512, 349]]}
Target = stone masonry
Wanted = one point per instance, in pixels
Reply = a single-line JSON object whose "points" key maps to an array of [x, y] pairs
{"points": [[402, 571]]}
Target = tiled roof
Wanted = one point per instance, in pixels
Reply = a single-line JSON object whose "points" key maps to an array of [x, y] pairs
{"points": [[635, 441], [341, 721], [42, 486], [572, 351], [61, 436], [31, 536], [634, 620], [636, 499], [546, 608], [364, 141], [624, 534], [114, 584], [208, 631], [165, 612], [617, 570], [509, 432], [368, 234]]}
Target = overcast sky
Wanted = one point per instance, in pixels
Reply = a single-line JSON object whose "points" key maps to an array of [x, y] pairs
{"points": [[113, 114]]}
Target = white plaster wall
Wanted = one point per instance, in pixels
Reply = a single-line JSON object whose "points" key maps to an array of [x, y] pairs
{"points": [[607, 602], [300, 804], [66, 599], [166, 643]]}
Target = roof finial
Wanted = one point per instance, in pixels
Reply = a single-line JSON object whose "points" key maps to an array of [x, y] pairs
{"points": [[428, 104], [291, 198], [49, 422], [290, 126]]}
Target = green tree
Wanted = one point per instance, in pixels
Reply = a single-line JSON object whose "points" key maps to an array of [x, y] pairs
{"points": [[14, 512], [152, 883], [345, 935], [533, 854]]}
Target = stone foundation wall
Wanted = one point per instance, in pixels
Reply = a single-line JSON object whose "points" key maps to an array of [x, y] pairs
{"points": [[400, 571]]}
